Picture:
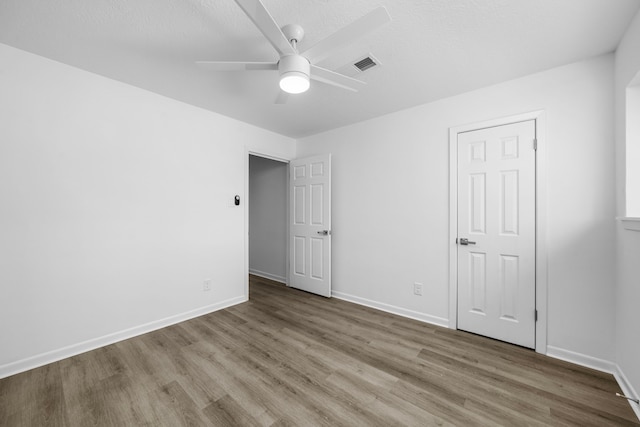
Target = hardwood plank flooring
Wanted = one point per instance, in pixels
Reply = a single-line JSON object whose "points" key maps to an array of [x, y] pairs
{"points": [[289, 358]]}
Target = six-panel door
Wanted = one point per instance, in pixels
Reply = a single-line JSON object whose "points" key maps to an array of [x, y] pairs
{"points": [[310, 224], [496, 213]]}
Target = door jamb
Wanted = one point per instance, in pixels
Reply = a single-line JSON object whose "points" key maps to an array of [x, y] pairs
{"points": [[540, 214], [247, 153]]}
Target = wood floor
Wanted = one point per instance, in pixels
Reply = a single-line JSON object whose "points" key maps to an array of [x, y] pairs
{"points": [[290, 358]]}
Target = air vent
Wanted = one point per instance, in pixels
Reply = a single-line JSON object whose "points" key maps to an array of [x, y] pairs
{"points": [[365, 63]]}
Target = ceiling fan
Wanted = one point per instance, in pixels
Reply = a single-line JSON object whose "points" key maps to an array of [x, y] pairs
{"points": [[296, 68]]}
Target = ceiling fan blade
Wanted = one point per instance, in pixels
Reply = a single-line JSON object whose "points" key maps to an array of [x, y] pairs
{"points": [[282, 98], [347, 35], [335, 79], [262, 19], [237, 66]]}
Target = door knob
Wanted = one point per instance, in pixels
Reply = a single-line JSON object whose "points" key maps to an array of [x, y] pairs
{"points": [[324, 232], [465, 242]]}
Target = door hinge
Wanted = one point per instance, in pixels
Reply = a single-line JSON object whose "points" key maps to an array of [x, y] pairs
{"points": [[535, 145], [535, 315]]}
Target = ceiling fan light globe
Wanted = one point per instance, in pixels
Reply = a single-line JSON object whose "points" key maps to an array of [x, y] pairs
{"points": [[294, 82]]}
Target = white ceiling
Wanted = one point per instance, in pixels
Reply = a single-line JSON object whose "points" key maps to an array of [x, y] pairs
{"points": [[432, 49]]}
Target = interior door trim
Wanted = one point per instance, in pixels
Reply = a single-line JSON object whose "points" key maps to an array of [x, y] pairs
{"points": [[541, 217]]}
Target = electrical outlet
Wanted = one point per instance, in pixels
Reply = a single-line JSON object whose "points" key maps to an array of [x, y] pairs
{"points": [[417, 288], [206, 285]]}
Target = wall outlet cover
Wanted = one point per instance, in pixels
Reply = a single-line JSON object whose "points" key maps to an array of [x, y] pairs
{"points": [[417, 288]]}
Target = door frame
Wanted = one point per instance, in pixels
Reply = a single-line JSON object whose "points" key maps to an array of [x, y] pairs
{"points": [[540, 218], [277, 158]]}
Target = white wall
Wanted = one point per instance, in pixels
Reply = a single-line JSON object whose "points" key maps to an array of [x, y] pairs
{"points": [[390, 205], [628, 248], [268, 218], [116, 204]]}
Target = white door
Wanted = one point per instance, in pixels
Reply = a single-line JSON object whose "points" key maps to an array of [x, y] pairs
{"points": [[496, 215], [310, 224]]}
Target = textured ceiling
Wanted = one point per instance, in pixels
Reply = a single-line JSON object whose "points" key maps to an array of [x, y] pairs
{"points": [[432, 49]]}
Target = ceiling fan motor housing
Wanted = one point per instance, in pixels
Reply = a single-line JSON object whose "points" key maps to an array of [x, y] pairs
{"points": [[294, 64], [294, 73]]}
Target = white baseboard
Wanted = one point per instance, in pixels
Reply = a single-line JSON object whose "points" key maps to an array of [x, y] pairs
{"points": [[581, 359], [268, 276], [599, 365], [92, 344], [434, 320], [627, 389]]}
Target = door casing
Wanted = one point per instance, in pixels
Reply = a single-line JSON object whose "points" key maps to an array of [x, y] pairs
{"points": [[540, 214]]}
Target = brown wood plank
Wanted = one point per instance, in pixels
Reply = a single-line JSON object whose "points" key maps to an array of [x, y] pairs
{"points": [[289, 358]]}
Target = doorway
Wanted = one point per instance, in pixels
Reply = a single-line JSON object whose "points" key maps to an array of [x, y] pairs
{"points": [[268, 207], [288, 221], [498, 229]]}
